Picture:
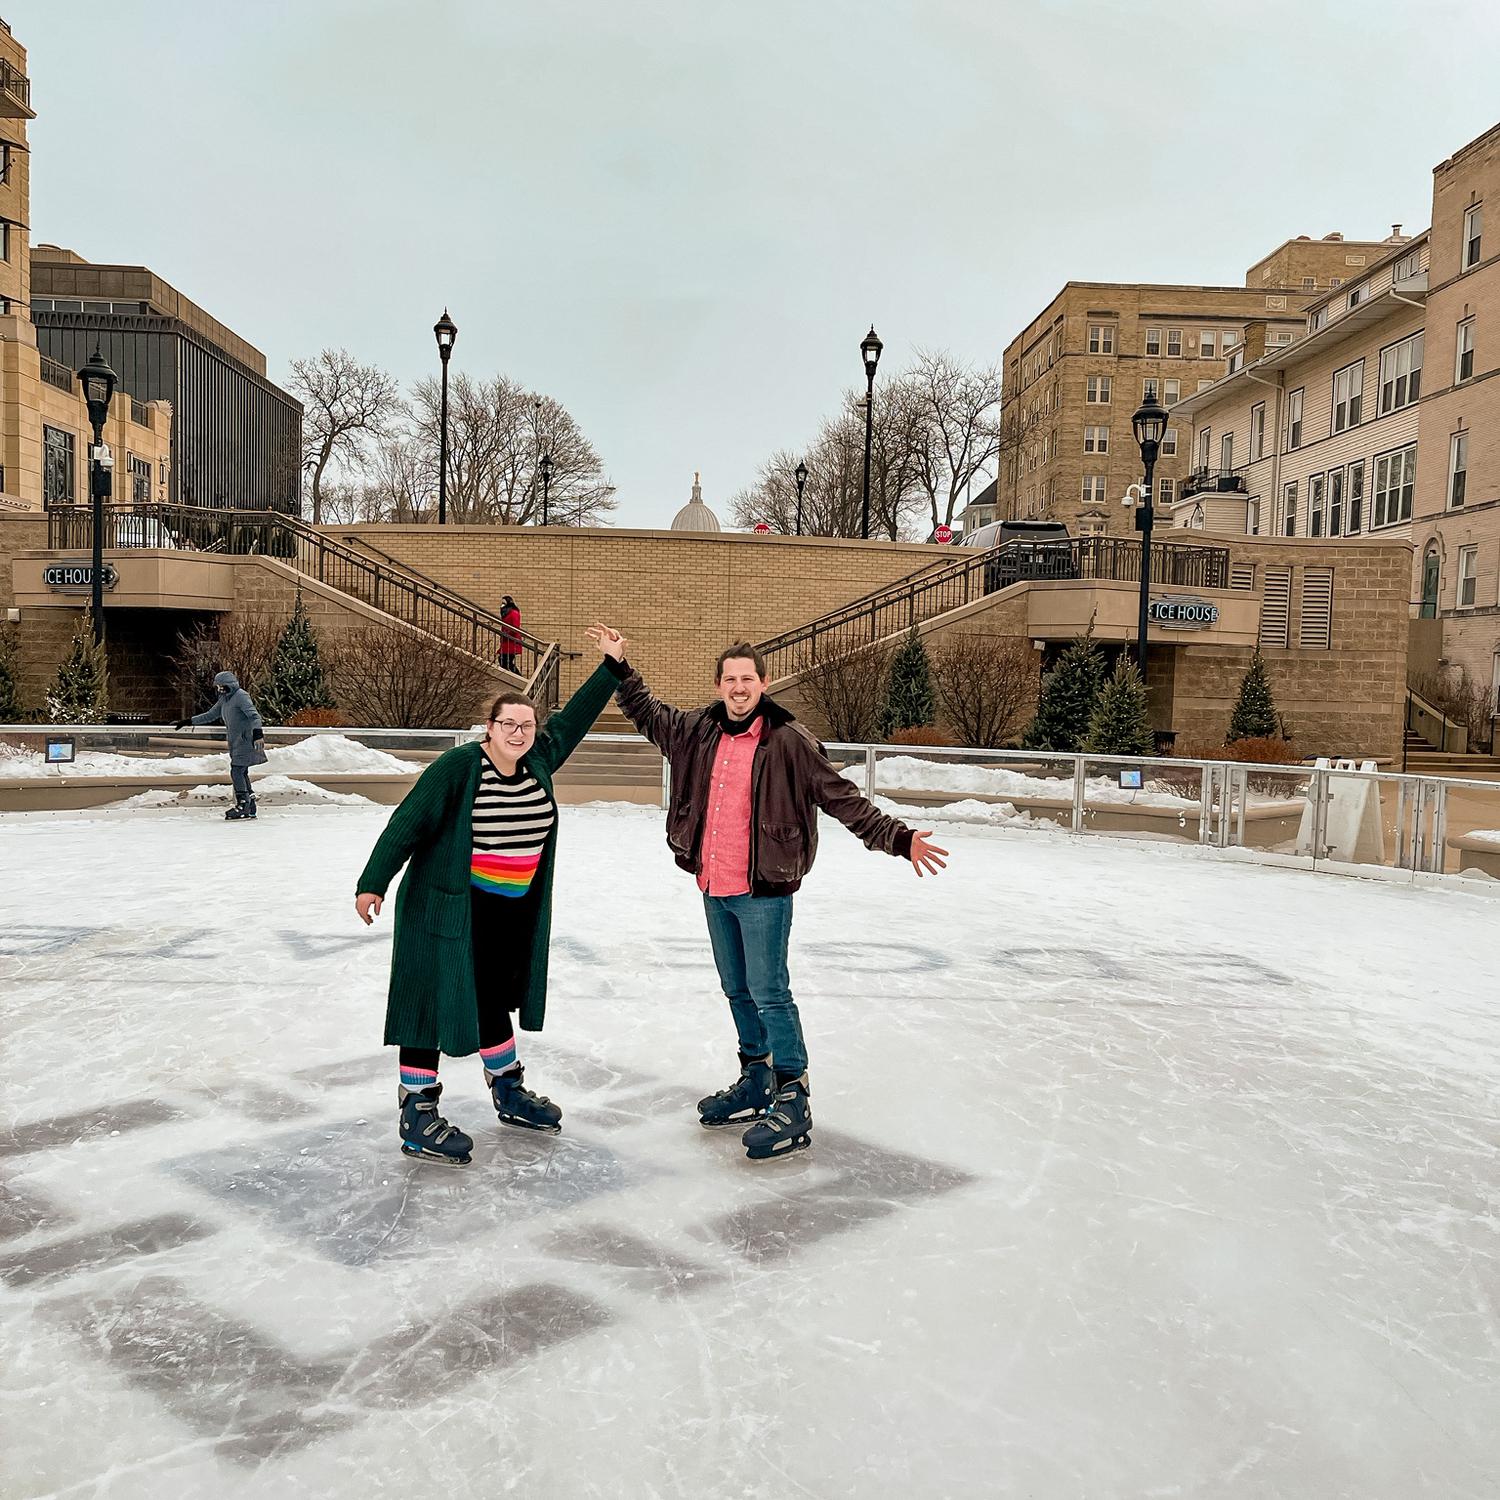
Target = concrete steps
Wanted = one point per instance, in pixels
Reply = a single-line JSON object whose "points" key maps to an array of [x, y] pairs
{"points": [[1430, 762]]}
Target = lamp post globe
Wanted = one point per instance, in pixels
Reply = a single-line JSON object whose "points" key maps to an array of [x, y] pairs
{"points": [[800, 475], [869, 351], [445, 331], [98, 381], [1149, 425]]}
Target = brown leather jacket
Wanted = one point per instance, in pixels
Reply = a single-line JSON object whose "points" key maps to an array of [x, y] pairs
{"points": [[790, 780]]}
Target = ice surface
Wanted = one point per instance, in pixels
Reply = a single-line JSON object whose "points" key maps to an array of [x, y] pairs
{"points": [[1137, 1172], [317, 753]]}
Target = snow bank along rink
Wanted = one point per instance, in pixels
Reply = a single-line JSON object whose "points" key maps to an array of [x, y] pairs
{"points": [[1135, 1171]]}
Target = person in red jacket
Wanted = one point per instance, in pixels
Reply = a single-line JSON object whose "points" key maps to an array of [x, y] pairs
{"points": [[510, 636]]}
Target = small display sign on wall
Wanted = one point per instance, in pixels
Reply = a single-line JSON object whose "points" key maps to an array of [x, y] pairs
{"points": [[1130, 781], [60, 752]]}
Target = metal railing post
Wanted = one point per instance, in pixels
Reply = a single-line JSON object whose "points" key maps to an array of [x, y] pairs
{"points": [[1206, 783], [1439, 827], [1400, 831], [1078, 808], [666, 783], [870, 772], [1242, 775], [1322, 785]]}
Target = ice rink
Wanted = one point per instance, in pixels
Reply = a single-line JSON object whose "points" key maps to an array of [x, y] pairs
{"points": [[1137, 1172]]}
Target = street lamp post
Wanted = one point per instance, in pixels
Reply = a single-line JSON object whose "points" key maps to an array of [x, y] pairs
{"points": [[98, 382], [445, 330], [1150, 425], [869, 348], [546, 468], [800, 475]]}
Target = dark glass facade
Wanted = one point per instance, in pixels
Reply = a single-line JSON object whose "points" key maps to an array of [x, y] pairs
{"points": [[236, 438]]}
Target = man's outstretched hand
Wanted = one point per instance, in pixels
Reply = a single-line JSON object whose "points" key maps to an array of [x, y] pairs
{"points": [[925, 857], [608, 640]]}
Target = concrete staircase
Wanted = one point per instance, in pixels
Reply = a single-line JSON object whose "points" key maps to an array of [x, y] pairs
{"points": [[624, 767], [1423, 760]]}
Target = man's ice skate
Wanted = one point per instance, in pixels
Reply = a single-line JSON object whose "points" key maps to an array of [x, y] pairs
{"points": [[746, 1099], [425, 1133], [786, 1129], [517, 1105]]}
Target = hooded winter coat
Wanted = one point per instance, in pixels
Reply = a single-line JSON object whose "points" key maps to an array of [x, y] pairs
{"points": [[240, 718]]}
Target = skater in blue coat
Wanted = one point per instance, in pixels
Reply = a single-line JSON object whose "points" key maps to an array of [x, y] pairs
{"points": [[234, 709]]}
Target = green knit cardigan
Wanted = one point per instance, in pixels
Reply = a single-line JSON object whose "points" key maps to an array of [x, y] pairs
{"points": [[431, 1001]]}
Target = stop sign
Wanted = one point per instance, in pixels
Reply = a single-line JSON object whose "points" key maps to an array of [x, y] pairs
{"points": [[761, 528], [943, 534]]}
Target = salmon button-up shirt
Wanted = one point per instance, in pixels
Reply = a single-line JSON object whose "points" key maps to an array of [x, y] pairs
{"points": [[725, 850]]}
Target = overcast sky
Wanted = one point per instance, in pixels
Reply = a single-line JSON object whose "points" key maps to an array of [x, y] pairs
{"points": [[678, 217]]}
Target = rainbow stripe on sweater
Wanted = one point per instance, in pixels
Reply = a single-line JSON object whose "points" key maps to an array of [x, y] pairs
{"points": [[503, 874]]}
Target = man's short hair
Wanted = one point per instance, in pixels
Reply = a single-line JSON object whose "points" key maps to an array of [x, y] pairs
{"points": [[740, 648]]}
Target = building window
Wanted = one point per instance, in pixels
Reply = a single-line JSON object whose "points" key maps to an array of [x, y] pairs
{"points": [[1149, 388], [1335, 282], [1169, 443], [139, 471], [1153, 341], [1473, 233], [4, 161], [1395, 479], [1226, 452], [1166, 490], [1174, 343], [1400, 374], [5, 240], [1171, 392], [1101, 338], [1098, 390], [1093, 489], [1205, 447], [1355, 491], [1468, 568], [1348, 395], [1289, 507], [1356, 295], [1315, 505], [1336, 502], [1208, 343], [1317, 318], [1309, 283], [1228, 340], [1203, 385], [1458, 468], [1407, 267], [1257, 431], [1463, 360], [57, 467], [1096, 440], [1294, 420]]}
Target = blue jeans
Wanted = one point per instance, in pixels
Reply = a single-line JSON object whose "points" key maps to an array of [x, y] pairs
{"points": [[749, 936]]}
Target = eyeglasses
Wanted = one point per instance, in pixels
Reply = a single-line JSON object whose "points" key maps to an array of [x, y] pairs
{"points": [[515, 726]]}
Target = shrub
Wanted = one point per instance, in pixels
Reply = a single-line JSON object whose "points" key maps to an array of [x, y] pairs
{"points": [[983, 684], [1261, 750], [80, 691], [242, 643], [11, 711], [394, 678], [910, 702], [1254, 714], [920, 734], [1069, 692], [295, 680], [845, 692], [1119, 725], [317, 718]]}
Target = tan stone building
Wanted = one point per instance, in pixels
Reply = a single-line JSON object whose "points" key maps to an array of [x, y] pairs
{"points": [[1456, 512], [44, 427], [1074, 377]]}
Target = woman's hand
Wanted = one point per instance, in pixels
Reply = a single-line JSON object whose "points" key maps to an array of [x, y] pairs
{"points": [[367, 904], [608, 640]]}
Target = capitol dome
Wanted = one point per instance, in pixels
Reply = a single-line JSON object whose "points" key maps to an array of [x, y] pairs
{"points": [[695, 515]]}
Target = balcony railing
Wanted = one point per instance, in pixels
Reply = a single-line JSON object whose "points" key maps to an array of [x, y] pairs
{"points": [[1214, 482], [55, 373], [17, 85]]}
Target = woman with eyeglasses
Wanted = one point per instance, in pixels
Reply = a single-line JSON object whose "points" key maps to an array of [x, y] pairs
{"points": [[474, 912]]}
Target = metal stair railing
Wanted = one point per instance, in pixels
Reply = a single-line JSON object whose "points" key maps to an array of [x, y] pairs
{"points": [[391, 589], [921, 597]]}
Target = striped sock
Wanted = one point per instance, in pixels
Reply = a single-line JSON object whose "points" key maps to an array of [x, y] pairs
{"points": [[417, 1079], [500, 1059]]}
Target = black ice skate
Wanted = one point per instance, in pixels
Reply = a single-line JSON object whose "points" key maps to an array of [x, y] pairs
{"points": [[244, 808], [425, 1133], [517, 1105], [747, 1099], [786, 1129]]}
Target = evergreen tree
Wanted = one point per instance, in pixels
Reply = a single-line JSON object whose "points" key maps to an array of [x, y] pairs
{"points": [[1069, 692], [11, 711], [910, 702], [80, 692], [295, 680], [1119, 724], [1254, 715]]}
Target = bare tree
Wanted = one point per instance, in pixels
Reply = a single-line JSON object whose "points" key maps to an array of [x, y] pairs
{"points": [[984, 687], [404, 679], [956, 428], [497, 434], [344, 406], [243, 643], [846, 693]]}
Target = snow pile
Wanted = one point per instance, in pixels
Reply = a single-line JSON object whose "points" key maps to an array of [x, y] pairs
{"points": [[907, 773], [964, 810], [318, 754], [272, 791], [1487, 836]]}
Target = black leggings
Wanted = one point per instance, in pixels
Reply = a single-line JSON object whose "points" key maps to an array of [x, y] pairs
{"points": [[502, 928]]}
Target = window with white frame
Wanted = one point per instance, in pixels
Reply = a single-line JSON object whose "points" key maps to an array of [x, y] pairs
{"points": [[1315, 493], [1166, 490], [1149, 388], [1463, 357], [1335, 502], [1205, 447], [1169, 443], [1153, 342], [1096, 440], [1174, 343], [1093, 489], [1356, 295], [1407, 267], [1294, 419], [1468, 576], [1171, 392], [1203, 385], [1355, 498], [1348, 395], [1228, 339], [1335, 281], [1101, 338], [1400, 374], [1098, 390], [1289, 508], [1458, 469], [1473, 234], [1395, 480], [1257, 431], [1317, 318], [1309, 283], [1208, 343], [1226, 452]]}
